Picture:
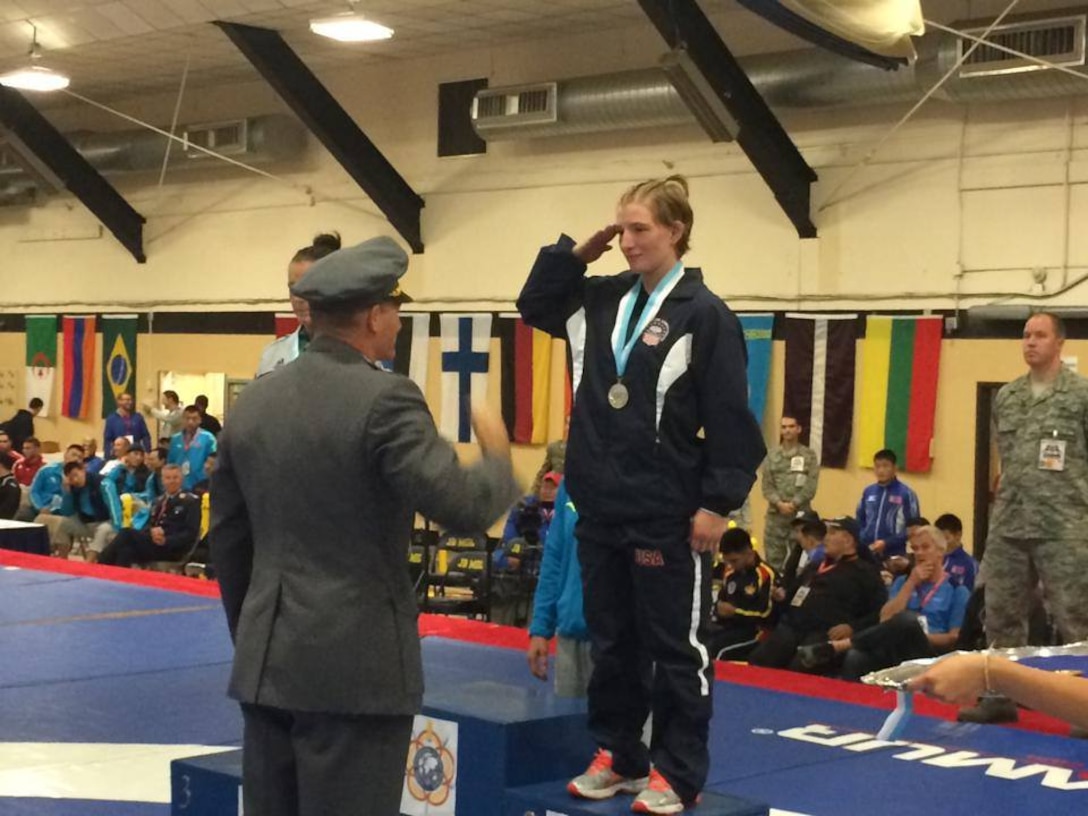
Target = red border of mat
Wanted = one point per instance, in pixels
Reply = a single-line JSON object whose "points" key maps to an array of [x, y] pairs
{"points": [[508, 637]]}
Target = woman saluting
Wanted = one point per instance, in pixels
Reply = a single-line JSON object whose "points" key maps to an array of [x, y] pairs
{"points": [[662, 446]]}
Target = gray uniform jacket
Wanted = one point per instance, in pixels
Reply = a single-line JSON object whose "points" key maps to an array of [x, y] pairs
{"points": [[321, 469]]}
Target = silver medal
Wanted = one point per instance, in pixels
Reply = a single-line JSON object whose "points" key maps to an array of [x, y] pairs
{"points": [[618, 396]]}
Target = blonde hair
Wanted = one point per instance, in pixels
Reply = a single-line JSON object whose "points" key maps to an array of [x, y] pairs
{"points": [[667, 200]]}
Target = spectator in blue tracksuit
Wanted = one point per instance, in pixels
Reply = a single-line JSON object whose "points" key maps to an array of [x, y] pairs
{"points": [[47, 489], [190, 447], [885, 508], [959, 565], [557, 606]]}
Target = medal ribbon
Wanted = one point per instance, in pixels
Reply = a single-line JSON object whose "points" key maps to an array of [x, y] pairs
{"points": [[621, 350]]}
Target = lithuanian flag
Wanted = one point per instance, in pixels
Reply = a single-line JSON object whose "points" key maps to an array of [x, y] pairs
{"points": [[900, 361]]}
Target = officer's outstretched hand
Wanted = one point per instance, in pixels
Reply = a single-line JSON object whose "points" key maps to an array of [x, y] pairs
{"points": [[597, 244], [707, 530], [538, 657], [490, 432]]}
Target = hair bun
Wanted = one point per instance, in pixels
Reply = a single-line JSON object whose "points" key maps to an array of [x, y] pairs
{"points": [[329, 241]]}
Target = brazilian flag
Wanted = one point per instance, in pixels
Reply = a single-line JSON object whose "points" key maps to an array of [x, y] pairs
{"points": [[118, 360]]}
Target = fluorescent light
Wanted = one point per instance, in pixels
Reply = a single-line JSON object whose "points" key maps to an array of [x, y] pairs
{"points": [[35, 78], [350, 27]]}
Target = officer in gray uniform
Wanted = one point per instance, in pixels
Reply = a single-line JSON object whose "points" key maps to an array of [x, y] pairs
{"points": [[1038, 521], [791, 474], [311, 550]]}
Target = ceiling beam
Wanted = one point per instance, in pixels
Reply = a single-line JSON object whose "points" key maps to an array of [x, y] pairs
{"points": [[330, 123], [763, 139], [52, 157]]}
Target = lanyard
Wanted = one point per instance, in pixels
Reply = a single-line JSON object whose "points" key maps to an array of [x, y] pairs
{"points": [[621, 350], [932, 592]]}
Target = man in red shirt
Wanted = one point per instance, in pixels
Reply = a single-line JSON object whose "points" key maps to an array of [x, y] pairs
{"points": [[31, 462]]}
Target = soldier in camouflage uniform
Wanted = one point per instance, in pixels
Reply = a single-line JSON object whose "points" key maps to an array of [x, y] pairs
{"points": [[790, 476], [1038, 521]]}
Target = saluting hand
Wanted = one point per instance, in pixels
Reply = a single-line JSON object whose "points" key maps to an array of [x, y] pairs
{"points": [[707, 530], [597, 244]]}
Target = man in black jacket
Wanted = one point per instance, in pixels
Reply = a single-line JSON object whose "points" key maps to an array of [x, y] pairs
{"points": [[834, 599], [21, 426], [171, 531]]}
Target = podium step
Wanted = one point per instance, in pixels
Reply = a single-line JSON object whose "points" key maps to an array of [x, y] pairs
{"points": [[207, 785], [552, 799]]}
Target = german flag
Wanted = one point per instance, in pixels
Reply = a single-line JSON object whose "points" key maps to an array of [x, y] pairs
{"points": [[526, 380]]}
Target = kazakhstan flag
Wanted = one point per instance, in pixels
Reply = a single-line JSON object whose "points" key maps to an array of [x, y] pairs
{"points": [[118, 360]]}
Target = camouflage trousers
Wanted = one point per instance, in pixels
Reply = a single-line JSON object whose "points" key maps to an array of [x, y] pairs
{"points": [[776, 540], [1011, 566]]}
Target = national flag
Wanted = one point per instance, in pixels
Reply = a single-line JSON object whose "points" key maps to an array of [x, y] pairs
{"points": [[430, 778], [286, 323], [758, 337], [526, 380], [78, 366], [41, 359], [118, 359], [414, 348], [899, 364], [820, 357], [466, 346]]}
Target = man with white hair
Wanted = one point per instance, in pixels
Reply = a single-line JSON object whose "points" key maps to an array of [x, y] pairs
{"points": [[922, 617]]}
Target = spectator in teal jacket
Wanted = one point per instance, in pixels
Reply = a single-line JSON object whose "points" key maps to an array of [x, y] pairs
{"points": [[557, 606]]}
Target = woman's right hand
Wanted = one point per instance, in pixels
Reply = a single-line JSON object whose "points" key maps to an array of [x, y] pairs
{"points": [[597, 244]]}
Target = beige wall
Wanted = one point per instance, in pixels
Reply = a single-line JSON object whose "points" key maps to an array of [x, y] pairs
{"points": [[970, 188]]}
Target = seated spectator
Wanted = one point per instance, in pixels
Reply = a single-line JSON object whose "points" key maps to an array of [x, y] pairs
{"points": [[884, 509], [92, 462], [6, 447], [806, 547], [121, 447], [204, 485], [921, 619], [164, 442], [527, 524], [156, 461], [831, 601], [171, 532], [744, 610], [47, 489], [87, 512], [190, 447], [27, 468], [557, 607], [10, 493], [133, 475], [959, 565]]}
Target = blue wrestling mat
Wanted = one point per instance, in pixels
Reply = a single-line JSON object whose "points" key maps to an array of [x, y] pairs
{"points": [[103, 684]]}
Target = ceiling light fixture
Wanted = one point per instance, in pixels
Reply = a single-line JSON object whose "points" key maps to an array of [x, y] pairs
{"points": [[34, 77], [351, 26]]}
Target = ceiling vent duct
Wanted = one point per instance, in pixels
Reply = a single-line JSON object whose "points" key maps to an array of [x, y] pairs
{"points": [[1060, 41], [820, 79], [257, 140]]}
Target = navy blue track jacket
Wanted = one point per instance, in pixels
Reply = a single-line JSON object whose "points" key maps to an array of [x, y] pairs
{"points": [[686, 440]]}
